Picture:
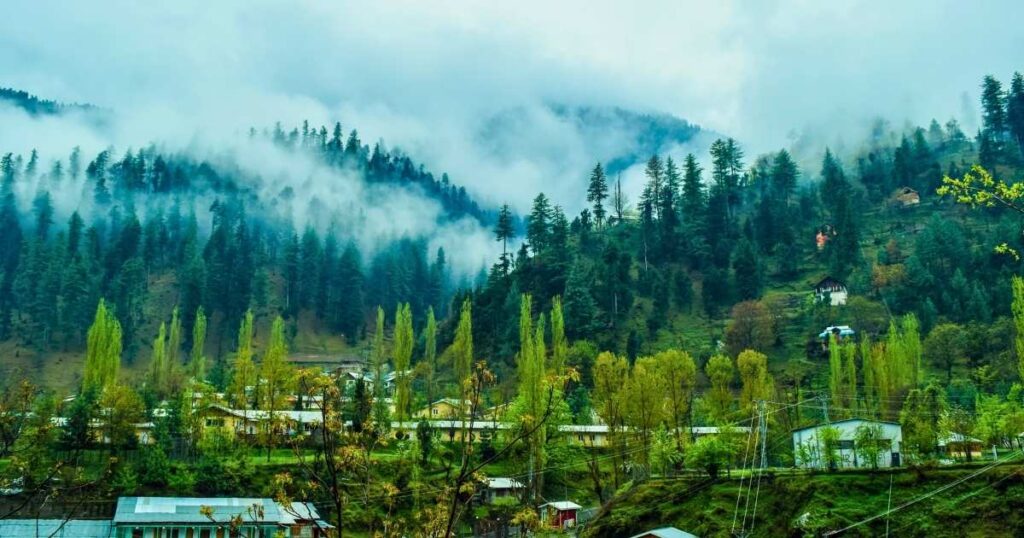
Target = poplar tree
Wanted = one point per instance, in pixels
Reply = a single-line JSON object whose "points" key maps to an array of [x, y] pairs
{"points": [[757, 383], [609, 372], [197, 364], [430, 355], [720, 372], [381, 414], [402, 354], [277, 378], [1017, 307], [835, 371], [103, 351], [462, 346], [158, 363], [643, 404], [531, 403], [559, 343], [679, 373], [174, 340], [243, 372]]}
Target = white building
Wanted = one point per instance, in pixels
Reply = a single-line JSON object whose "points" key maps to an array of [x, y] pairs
{"points": [[818, 447], [831, 290]]}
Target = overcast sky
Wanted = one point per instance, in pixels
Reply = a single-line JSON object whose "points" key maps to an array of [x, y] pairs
{"points": [[424, 74]]}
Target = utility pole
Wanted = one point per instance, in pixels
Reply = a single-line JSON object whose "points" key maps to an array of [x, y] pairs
{"points": [[763, 426]]}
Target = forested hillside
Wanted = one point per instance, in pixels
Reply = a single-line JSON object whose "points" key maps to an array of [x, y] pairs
{"points": [[747, 291], [151, 230]]}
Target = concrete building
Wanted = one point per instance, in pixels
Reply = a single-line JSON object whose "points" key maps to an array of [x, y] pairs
{"points": [[835, 444]]}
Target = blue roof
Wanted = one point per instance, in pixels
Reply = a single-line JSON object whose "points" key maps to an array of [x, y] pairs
{"points": [[57, 528], [138, 510], [665, 532]]}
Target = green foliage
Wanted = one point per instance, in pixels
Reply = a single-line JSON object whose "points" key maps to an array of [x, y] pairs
{"points": [[103, 350]]}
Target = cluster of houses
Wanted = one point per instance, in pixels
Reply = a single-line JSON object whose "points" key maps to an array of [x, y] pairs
{"points": [[183, 517]]}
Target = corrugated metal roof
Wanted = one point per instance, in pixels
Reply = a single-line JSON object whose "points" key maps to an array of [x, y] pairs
{"points": [[503, 483], [57, 528], [132, 510], [562, 505], [665, 532]]}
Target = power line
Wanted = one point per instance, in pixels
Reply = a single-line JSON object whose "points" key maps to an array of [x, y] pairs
{"points": [[926, 496]]}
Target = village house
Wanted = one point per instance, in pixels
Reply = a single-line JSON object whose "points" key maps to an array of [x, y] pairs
{"points": [[98, 432], [958, 445], [255, 421], [834, 444], [831, 291], [500, 488], [840, 332], [559, 514], [906, 197], [445, 408]]}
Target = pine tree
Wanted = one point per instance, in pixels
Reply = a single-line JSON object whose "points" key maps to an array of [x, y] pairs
{"points": [[504, 231], [748, 271], [655, 172], [581, 314], [597, 192], [668, 208], [1015, 110], [993, 108], [538, 227]]}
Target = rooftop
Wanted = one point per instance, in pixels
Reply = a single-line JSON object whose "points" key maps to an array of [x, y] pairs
{"points": [[562, 505], [55, 528], [503, 483], [665, 532], [132, 510]]}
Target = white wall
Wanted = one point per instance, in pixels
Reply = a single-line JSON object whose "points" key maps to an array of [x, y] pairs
{"points": [[847, 456]]}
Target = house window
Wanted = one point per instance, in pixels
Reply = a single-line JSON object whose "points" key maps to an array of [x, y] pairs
{"points": [[579, 437], [845, 444], [433, 411]]}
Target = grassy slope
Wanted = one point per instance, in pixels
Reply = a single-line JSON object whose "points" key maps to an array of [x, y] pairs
{"points": [[989, 505]]}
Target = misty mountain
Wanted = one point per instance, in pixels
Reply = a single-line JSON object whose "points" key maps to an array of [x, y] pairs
{"points": [[36, 106], [617, 137]]}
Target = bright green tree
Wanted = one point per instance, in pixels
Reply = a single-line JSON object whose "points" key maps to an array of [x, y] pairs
{"points": [[402, 354], [720, 371], [277, 379], [462, 346], [103, 350], [243, 373], [197, 359], [559, 344]]}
